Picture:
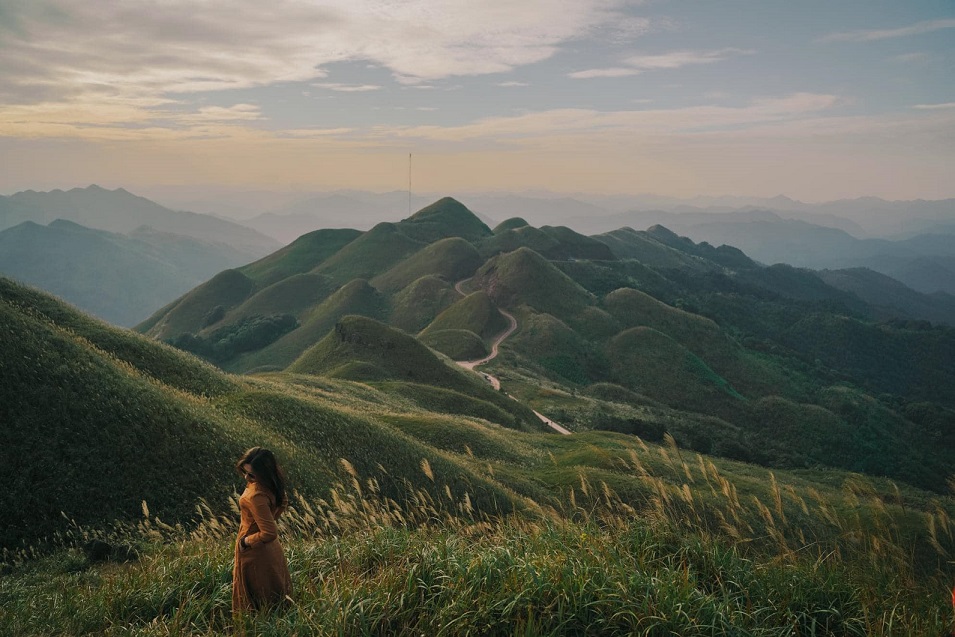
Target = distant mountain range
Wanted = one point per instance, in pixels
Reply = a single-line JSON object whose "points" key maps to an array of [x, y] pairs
{"points": [[891, 237], [123, 212], [152, 255]]}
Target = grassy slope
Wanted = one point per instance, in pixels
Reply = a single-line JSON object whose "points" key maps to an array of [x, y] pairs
{"points": [[189, 313], [510, 224], [370, 254], [475, 313], [356, 297], [627, 243], [458, 345], [294, 295], [525, 277], [99, 420], [452, 259], [733, 545], [444, 218], [400, 357], [414, 307], [302, 255]]}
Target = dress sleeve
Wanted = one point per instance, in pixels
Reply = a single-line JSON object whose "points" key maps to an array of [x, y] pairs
{"points": [[262, 513]]}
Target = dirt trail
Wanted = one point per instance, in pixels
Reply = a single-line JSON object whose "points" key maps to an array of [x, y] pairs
{"points": [[494, 347]]}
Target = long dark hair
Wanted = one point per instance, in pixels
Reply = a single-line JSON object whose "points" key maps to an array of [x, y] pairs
{"points": [[267, 472]]}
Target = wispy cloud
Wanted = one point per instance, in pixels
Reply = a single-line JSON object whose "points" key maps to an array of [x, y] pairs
{"points": [[677, 59], [617, 71], [61, 48], [883, 34], [347, 88], [636, 64], [512, 83], [933, 107]]}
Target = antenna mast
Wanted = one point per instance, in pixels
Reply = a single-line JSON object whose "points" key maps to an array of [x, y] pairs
{"points": [[409, 184]]}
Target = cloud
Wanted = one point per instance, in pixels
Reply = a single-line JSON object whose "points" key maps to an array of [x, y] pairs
{"points": [[677, 59], [636, 64], [933, 107], [347, 88], [596, 124], [70, 47], [884, 34], [617, 71], [512, 84]]}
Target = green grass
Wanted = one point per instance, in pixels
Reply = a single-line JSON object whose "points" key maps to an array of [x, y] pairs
{"points": [[475, 313], [510, 224], [452, 259], [402, 357], [525, 277], [458, 345], [301, 256], [356, 297], [627, 243], [444, 218], [194, 310], [364, 564], [414, 307], [293, 295], [370, 254]]}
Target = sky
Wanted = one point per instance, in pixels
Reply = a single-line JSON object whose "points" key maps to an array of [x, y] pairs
{"points": [[815, 99]]}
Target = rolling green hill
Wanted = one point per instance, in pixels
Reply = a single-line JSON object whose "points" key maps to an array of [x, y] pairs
{"points": [[360, 348], [301, 256], [475, 313], [525, 277], [98, 420], [414, 307], [716, 341], [444, 218], [553, 242], [452, 259], [356, 297]]}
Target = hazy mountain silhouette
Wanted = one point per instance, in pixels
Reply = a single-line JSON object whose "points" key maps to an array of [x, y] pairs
{"points": [[119, 278], [121, 211]]}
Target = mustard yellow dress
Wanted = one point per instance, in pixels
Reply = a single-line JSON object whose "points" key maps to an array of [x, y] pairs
{"points": [[260, 577]]}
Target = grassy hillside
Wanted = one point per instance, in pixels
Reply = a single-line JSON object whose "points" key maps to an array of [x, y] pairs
{"points": [[357, 297], [525, 277], [627, 243], [444, 218], [200, 307], [414, 307], [452, 259], [302, 255], [456, 344], [359, 346], [293, 295], [420, 512], [510, 224], [558, 243], [100, 420], [475, 313], [370, 254], [705, 331]]}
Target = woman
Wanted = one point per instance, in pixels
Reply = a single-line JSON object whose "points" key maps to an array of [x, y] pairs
{"points": [[260, 578]]}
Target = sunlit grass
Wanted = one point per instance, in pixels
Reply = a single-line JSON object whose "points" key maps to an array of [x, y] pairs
{"points": [[711, 559]]}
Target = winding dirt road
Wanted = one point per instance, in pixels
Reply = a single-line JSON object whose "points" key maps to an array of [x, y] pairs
{"points": [[494, 347]]}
